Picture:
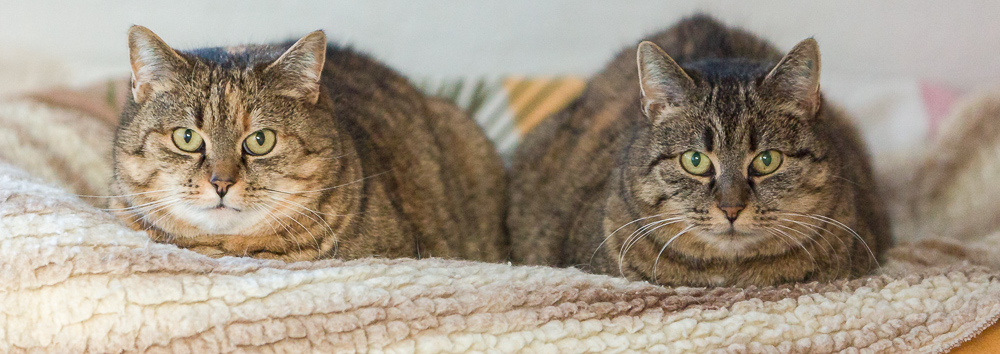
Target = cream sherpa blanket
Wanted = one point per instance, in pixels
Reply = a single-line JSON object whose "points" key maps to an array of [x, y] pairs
{"points": [[72, 279]]}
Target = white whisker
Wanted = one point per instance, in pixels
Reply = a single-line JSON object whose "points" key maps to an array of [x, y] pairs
{"points": [[799, 243], [616, 231], [317, 220], [140, 211], [315, 240], [165, 214], [825, 249], [276, 219], [635, 235], [814, 229], [649, 228], [121, 196], [139, 206], [628, 239], [848, 181], [639, 237], [841, 225], [657, 262]]}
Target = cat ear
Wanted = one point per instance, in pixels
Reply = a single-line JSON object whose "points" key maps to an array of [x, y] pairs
{"points": [[663, 83], [796, 77], [154, 63], [298, 69]]}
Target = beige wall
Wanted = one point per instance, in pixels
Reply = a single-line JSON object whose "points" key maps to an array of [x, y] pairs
{"points": [[956, 42]]}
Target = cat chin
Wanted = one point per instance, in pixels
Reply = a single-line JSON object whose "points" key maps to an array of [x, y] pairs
{"points": [[733, 245], [217, 221], [729, 245]]}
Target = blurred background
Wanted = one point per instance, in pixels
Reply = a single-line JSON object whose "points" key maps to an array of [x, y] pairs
{"points": [[953, 42], [899, 65]]}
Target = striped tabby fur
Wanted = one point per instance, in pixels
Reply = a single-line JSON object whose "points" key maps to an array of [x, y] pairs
{"points": [[599, 185], [364, 165]]}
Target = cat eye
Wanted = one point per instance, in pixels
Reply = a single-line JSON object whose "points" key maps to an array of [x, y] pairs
{"points": [[696, 163], [187, 139], [766, 162], [260, 142]]}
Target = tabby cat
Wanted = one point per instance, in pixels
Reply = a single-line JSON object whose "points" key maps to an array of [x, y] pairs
{"points": [[719, 166], [300, 151]]}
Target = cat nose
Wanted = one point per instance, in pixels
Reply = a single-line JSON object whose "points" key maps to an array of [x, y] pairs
{"points": [[732, 212], [221, 184], [731, 195]]}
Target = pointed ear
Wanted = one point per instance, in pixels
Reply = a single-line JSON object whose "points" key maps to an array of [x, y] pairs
{"points": [[664, 85], [154, 63], [796, 77], [298, 69]]}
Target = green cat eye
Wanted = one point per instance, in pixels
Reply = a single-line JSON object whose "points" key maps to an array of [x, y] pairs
{"points": [[766, 162], [696, 163], [187, 139], [260, 142]]}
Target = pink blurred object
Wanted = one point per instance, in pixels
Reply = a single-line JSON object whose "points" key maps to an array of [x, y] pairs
{"points": [[938, 100]]}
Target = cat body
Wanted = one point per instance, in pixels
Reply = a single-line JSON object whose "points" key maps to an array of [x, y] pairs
{"points": [[307, 151], [602, 185]]}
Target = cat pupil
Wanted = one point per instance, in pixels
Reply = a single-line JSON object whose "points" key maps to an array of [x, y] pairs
{"points": [[187, 136], [766, 158], [696, 159], [260, 138]]}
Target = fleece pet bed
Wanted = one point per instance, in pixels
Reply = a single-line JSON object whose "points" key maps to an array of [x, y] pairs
{"points": [[73, 279]]}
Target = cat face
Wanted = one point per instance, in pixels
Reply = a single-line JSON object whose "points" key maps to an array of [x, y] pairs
{"points": [[225, 145], [733, 157]]}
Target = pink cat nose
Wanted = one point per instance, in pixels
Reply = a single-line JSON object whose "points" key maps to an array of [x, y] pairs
{"points": [[732, 212], [221, 185]]}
